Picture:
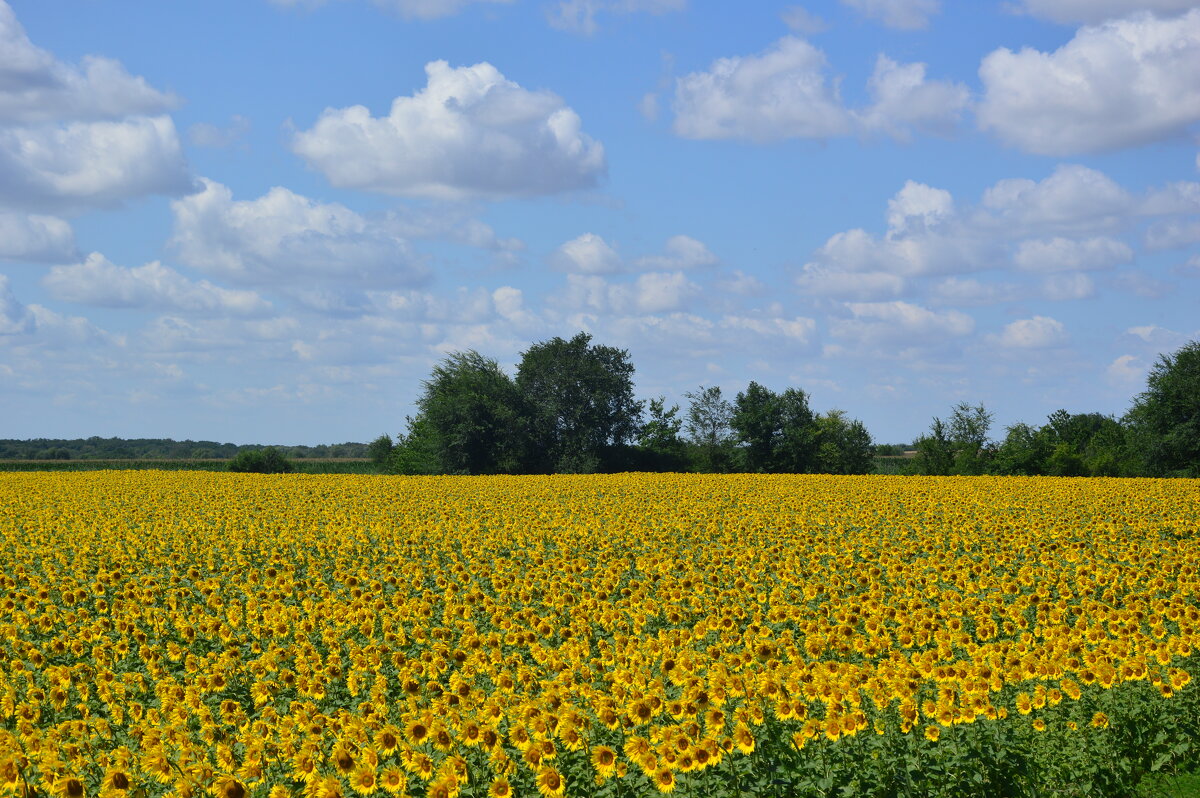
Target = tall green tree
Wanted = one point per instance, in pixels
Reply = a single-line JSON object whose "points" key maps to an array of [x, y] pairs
{"points": [[935, 450], [843, 445], [969, 426], [660, 446], [757, 421], [580, 413], [708, 426], [1165, 418], [798, 444], [471, 412]]}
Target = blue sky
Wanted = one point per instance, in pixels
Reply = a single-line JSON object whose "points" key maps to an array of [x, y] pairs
{"points": [[265, 220]]}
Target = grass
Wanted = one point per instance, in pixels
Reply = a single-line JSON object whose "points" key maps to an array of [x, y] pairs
{"points": [[1185, 785], [303, 466]]}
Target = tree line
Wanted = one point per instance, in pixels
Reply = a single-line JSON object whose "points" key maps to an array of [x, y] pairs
{"points": [[97, 448], [570, 408], [1159, 436]]}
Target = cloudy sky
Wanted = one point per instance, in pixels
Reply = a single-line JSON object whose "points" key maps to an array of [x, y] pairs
{"points": [[264, 220]]}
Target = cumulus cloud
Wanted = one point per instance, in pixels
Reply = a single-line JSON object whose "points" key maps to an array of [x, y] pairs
{"points": [[469, 132], [85, 164], [46, 239], [282, 236], [680, 252], [820, 281], [903, 100], [587, 254], [99, 282], [408, 9], [899, 14], [36, 87], [579, 16], [652, 292], [1073, 199], [786, 92], [875, 323], [1118, 84], [1068, 286], [1063, 254], [1038, 332], [1092, 11], [1126, 370], [779, 94]]}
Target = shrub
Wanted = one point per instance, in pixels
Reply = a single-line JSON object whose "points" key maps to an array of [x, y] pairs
{"points": [[261, 461]]}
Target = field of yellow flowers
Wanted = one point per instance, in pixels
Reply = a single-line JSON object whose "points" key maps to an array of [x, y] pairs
{"points": [[190, 634]]}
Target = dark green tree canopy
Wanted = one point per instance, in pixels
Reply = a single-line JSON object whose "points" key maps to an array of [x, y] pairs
{"points": [[470, 414], [578, 402], [1165, 418]]}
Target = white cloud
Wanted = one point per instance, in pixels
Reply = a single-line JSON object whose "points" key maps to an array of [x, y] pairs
{"points": [[886, 323], [15, 318], [282, 236], [90, 163], [1063, 254], [1173, 234], [35, 238], [900, 14], [1074, 199], [785, 93], [587, 254], [1119, 84], [448, 222], [801, 20], [904, 99], [1071, 285], [779, 94], [960, 292], [35, 87], [153, 286], [579, 16], [680, 252], [1038, 332], [408, 9], [657, 292], [1092, 11], [1126, 371], [818, 280], [797, 330], [652, 292], [469, 132]]}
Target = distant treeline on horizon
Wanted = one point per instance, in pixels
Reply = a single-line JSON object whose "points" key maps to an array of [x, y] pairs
{"points": [[97, 448]]}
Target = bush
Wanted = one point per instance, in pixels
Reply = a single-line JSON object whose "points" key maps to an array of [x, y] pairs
{"points": [[261, 461]]}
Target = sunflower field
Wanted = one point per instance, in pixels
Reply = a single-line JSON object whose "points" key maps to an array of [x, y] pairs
{"points": [[192, 634]]}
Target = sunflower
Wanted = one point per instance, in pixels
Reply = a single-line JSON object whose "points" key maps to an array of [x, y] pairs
{"points": [[388, 739], [417, 731], [604, 759], [363, 780], [500, 788], [550, 782], [1100, 720], [394, 781], [932, 733], [664, 780], [229, 787], [67, 786]]}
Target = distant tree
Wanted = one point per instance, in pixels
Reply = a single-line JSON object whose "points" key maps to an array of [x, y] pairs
{"points": [[261, 461], [797, 449], [843, 445], [380, 450], [471, 410], [757, 422], [708, 428], [580, 414], [935, 450], [969, 432], [1023, 452], [1165, 418], [416, 451], [659, 443]]}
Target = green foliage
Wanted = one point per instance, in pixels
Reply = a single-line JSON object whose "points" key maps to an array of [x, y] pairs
{"points": [[659, 445], [416, 451], [1165, 418], [380, 450], [578, 405], [470, 412], [757, 422], [935, 451], [261, 461], [708, 426], [958, 447], [844, 445], [796, 451]]}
